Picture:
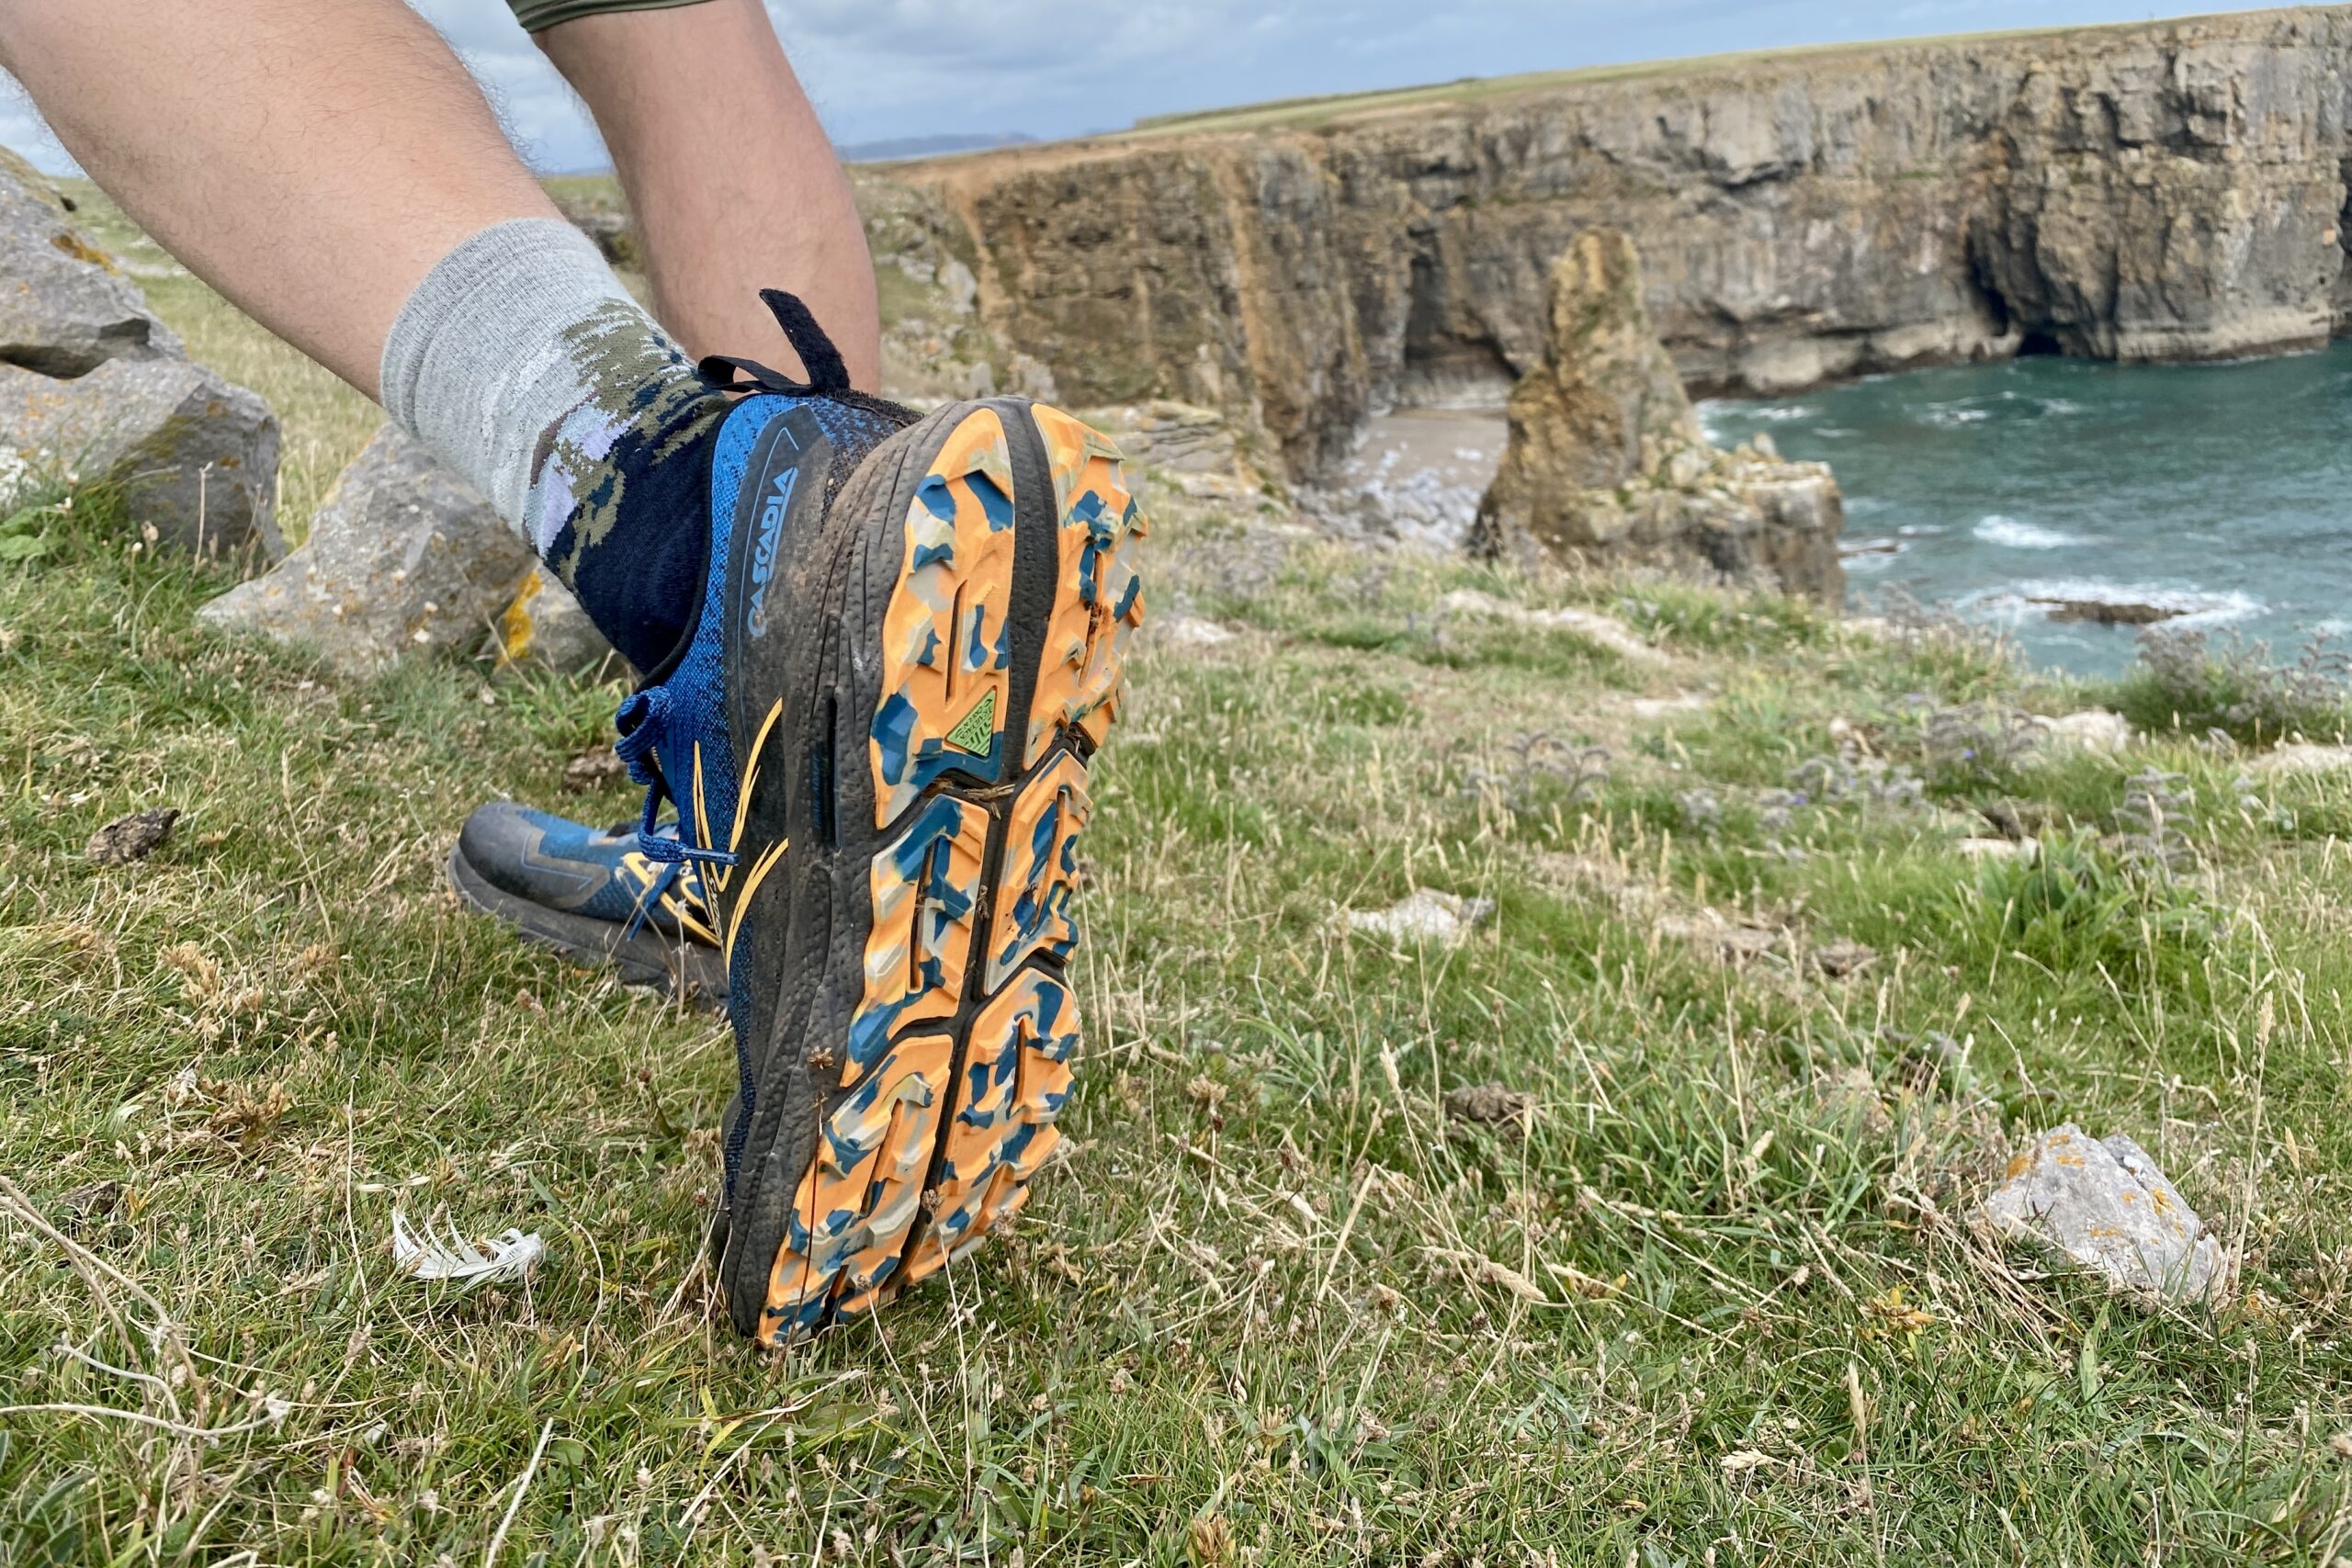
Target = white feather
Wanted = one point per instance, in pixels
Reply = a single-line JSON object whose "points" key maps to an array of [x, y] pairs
{"points": [[451, 1256]]}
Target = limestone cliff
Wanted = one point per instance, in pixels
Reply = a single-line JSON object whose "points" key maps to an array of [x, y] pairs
{"points": [[2168, 190], [1607, 466]]}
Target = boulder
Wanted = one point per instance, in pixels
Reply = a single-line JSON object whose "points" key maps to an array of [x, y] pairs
{"points": [[2103, 1205], [93, 383], [65, 307], [1607, 466], [192, 454], [402, 557], [545, 626], [1179, 437]]}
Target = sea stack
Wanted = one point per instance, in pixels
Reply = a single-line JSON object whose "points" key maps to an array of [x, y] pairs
{"points": [[1608, 467]]}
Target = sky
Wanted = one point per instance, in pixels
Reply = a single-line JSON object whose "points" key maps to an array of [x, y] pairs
{"points": [[887, 69]]}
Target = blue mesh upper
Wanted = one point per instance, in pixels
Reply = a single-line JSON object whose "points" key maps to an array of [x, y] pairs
{"points": [[689, 709]]}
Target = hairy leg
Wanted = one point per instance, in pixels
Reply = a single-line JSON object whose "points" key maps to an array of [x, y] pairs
{"points": [[733, 183], [310, 162]]}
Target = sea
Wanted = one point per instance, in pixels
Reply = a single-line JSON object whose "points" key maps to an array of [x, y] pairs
{"points": [[2025, 494]]}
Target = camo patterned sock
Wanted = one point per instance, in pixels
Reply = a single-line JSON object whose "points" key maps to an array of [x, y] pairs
{"points": [[523, 362]]}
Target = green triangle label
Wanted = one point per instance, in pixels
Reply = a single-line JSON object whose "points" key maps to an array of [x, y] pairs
{"points": [[976, 731]]}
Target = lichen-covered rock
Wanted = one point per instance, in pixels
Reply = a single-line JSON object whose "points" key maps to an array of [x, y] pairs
{"points": [[543, 625], [191, 455], [403, 557], [2103, 1205], [1607, 466], [65, 307]]}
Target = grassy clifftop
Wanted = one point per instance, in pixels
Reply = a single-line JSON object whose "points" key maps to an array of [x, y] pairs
{"points": [[1307, 113], [1687, 1276]]}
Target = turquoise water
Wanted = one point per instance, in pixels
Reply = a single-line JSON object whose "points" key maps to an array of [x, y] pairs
{"points": [[2224, 490]]}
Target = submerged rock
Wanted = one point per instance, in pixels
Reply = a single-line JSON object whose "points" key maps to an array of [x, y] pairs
{"points": [[2103, 1205], [1607, 466], [190, 454], [402, 557], [2110, 611]]}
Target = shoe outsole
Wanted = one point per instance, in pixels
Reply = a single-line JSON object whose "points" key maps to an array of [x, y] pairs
{"points": [[689, 971], [999, 592]]}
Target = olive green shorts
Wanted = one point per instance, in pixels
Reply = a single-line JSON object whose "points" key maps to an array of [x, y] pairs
{"points": [[539, 16]]}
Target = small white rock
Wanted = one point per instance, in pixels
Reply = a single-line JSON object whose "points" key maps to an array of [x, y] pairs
{"points": [[2026, 850], [1191, 632], [2092, 729], [2305, 758], [2103, 1205], [1426, 917], [1606, 630]]}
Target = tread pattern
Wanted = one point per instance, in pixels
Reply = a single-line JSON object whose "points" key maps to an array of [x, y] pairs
{"points": [[946, 651], [1101, 602], [957, 1060], [1040, 883]]}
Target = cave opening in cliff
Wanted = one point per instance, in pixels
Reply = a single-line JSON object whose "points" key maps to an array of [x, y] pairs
{"points": [[2039, 343], [1450, 359]]}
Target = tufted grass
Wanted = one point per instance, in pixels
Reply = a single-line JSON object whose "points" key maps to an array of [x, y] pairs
{"points": [[1713, 1299]]}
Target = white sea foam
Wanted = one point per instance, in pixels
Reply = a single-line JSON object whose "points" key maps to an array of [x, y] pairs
{"points": [[1949, 416], [2016, 535]]}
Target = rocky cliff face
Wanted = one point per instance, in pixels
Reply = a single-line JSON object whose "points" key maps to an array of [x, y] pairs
{"points": [[2174, 190]]}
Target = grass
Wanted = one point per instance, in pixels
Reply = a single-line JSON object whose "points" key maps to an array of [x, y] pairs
{"points": [[1315, 112], [1717, 1299]]}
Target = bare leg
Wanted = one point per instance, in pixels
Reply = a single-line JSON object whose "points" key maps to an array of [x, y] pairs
{"points": [[734, 186], [310, 162]]}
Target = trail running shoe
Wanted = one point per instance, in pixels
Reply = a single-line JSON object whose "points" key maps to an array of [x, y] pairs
{"points": [[911, 645], [593, 897]]}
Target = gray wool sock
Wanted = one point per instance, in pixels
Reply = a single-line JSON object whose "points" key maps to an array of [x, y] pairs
{"points": [[520, 349], [526, 366]]}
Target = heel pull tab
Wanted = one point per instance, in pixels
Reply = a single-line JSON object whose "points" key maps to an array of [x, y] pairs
{"points": [[827, 373]]}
